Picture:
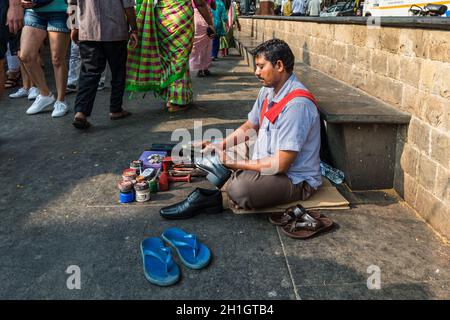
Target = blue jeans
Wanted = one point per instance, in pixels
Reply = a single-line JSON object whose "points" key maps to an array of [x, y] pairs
{"points": [[47, 21]]}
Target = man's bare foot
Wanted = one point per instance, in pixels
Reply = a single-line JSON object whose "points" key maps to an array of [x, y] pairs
{"points": [[171, 107], [233, 205]]}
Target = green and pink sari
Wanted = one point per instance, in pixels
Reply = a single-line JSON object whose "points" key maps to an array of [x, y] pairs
{"points": [[160, 63]]}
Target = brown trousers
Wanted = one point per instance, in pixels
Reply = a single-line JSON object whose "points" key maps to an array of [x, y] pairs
{"points": [[250, 190]]}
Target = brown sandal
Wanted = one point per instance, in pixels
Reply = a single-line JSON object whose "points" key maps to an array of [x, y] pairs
{"points": [[289, 215], [307, 226], [122, 115], [176, 107], [13, 80]]}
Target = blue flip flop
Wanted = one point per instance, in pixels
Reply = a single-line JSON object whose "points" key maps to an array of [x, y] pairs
{"points": [[193, 254], [159, 267]]}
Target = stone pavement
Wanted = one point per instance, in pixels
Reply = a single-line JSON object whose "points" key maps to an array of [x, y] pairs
{"points": [[59, 207]]}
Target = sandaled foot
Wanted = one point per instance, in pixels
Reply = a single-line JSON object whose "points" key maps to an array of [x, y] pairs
{"points": [[119, 115], [176, 107], [80, 123], [233, 205], [13, 80]]}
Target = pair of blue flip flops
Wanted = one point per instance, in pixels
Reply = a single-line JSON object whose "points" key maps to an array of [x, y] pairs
{"points": [[159, 266]]}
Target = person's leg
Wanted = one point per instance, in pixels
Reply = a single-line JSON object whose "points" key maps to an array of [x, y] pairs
{"points": [[116, 55], [249, 190], [12, 58], [215, 47], [179, 93], [93, 62], [27, 89], [32, 39], [59, 44], [3, 44], [26, 81], [101, 83], [13, 70]]}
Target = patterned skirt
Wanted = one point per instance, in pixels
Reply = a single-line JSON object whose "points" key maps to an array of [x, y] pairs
{"points": [[160, 63]]}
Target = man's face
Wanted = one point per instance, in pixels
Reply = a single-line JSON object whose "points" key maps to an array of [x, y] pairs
{"points": [[268, 74]]}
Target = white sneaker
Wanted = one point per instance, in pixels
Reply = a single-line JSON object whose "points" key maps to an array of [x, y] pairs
{"points": [[33, 93], [21, 93], [60, 109], [101, 86], [41, 103]]}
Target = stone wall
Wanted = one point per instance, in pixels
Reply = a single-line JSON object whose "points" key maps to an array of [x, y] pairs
{"points": [[408, 68]]}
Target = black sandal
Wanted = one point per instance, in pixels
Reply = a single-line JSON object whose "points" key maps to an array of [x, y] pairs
{"points": [[81, 123], [12, 80]]}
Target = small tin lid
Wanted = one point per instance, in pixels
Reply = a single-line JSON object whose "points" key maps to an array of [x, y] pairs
{"points": [[129, 173], [141, 186], [125, 185]]}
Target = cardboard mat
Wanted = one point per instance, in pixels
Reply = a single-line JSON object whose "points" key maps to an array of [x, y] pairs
{"points": [[326, 198]]}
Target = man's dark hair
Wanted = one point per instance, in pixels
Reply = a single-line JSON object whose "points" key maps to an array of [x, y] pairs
{"points": [[273, 50]]}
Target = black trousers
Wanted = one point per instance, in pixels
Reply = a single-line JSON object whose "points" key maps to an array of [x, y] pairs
{"points": [[94, 55], [4, 31]]}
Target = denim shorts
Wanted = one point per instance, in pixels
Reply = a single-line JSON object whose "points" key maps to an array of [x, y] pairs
{"points": [[48, 21]]}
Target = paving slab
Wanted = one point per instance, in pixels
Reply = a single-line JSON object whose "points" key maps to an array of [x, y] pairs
{"points": [[337, 265]]}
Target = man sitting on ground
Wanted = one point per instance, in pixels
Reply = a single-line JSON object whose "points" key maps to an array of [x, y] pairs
{"points": [[285, 165]]}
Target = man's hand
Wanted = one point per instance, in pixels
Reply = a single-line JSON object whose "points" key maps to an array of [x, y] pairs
{"points": [[211, 32], [14, 18], [212, 148], [134, 39], [74, 35], [28, 4]]}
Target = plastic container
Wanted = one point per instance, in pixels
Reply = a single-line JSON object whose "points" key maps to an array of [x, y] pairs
{"points": [[126, 197], [153, 184], [125, 186], [147, 162], [136, 165], [129, 174], [142, 191], [333, 174]]}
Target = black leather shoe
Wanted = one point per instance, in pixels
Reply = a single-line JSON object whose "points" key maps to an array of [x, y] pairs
{"points": [[200, 200], [217, 173]]}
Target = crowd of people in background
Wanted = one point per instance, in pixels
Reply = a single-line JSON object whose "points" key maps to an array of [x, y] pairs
{"points": [[141, 46], [298, 8]]}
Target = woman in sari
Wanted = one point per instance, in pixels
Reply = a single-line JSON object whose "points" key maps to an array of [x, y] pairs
{"points": [[220, 20], [200, 58], [160, 62], [227, 41]]}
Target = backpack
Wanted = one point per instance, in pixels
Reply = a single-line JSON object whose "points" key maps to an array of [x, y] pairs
{"points": [[40, 3]]}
